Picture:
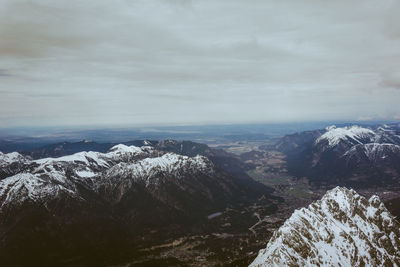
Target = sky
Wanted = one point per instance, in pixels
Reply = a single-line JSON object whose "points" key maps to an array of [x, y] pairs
{"points": [[184, 62]]}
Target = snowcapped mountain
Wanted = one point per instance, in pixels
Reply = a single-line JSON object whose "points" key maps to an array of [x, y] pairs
{"points": [[83, 204], [341, 229], [220, 158], [9, 158], [169, 164], [351, 135], [68, 148], [354, 142], [47, 178], [11, 163], [344, 138], [352, 155]]}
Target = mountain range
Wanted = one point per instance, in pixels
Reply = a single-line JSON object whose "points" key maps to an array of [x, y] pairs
{"points": [[86, 203], [93, 207], [352, 156]]}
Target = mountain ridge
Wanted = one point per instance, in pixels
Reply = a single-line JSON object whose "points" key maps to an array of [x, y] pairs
{"points": [[82, 204], [341, 229], [349, 156]]}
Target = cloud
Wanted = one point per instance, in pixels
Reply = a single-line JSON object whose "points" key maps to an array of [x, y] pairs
{"points": [[391, 80], [181, 61], [4, 73]]}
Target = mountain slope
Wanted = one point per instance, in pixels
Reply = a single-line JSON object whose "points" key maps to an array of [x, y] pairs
{"points": [[350, 156], [11, 163], [341, 229], [87, 206], [351, 135], [222, 159], [46, 178]]}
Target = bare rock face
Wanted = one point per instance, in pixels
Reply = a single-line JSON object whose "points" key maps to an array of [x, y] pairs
{"points": [[341, 229]]}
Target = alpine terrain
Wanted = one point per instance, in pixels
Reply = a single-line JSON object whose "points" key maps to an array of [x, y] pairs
{"points": [[341, 229], [102, 208], [354, 156]]}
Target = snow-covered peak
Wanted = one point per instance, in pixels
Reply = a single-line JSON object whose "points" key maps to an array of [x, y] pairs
{"points": [[174, 161], [26, 186], [354, 133], [121, 148], [384, 128], [168, 164], [93, 169], [116, 153], [332, 127], [80, 157], [347, 199], [341, 229], [9, 158]]}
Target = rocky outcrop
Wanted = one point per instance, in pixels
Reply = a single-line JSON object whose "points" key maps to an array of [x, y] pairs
{"points": [[341, 229]]}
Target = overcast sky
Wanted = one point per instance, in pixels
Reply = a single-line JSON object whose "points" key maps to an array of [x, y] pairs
{"points": [[167, 62]]}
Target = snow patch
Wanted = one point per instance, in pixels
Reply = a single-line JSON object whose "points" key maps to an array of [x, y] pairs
{"points": [[9, 158], [335, 135]]}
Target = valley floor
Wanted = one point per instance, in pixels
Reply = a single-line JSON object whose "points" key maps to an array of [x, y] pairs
{"points": [[235, 239], [240, 233]]}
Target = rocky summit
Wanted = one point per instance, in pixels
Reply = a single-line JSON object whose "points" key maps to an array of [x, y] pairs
{"points": [[341, 229]]}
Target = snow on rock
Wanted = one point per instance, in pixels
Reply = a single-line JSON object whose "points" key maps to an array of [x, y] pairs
{"points": [[126, 153], [85, 173], [375, 148], [26, 186], [121, 149], [341, 229], [9, 158], [168, 164], [46, 178], [373, 151], [80, 157], [146, 142], [353, 133], [116, 153]]}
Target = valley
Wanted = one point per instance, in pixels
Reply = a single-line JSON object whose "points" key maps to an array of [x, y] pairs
{"points": [[176, 203], [233, 239], [199, 133]]}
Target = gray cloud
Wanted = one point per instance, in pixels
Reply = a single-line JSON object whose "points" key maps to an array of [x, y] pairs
{"points": [[4, 73], [176, 61]]}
